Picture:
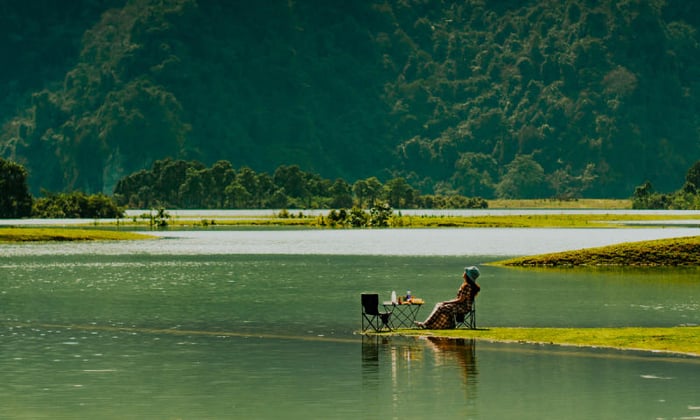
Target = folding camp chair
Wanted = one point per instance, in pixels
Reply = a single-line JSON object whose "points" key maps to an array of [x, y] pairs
{"points": [[371, 317], [466, 319]]}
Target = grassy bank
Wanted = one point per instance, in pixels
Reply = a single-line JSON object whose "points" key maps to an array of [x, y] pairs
{"points": [[680, 340], [477, 219], [542, 203], [61, 234], [662, 252], [300, 220], [434, 221], [535, 221]]}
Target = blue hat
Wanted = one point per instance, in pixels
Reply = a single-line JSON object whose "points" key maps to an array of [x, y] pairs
{"points": [[472, 272]]}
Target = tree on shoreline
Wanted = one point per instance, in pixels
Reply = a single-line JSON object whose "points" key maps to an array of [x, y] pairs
{"points": [[686, 198], [181, 184], [15, 200], [76, 205]]}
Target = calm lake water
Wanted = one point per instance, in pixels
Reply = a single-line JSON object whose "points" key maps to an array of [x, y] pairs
{"points": [[217, 324]]}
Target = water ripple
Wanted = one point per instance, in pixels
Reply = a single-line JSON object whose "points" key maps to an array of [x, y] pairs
{"points": [[400, 242]]}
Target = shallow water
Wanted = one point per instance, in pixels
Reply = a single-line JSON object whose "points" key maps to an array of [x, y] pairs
{"points": [[472, 243], [226, 324]]}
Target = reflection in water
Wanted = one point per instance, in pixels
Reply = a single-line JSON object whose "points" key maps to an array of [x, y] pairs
{"points": [[462, 351], [402, 364], [370, 361]]}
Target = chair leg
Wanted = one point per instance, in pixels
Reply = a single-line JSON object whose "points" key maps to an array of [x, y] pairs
{"points": [[467, 320], [471, 319], [372, 321], [367, 323], [385, 321], [459, 319]]}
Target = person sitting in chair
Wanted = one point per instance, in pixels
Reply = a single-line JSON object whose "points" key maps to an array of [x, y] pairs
{"points": [[442, 316]]}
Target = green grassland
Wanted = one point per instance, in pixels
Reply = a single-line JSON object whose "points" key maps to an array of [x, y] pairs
{"points": [[679, 340], [662, 252], [422, 221], [549, 203], [398, 220], [490, 221], [535, 221], [65, 234], [298, 219]]}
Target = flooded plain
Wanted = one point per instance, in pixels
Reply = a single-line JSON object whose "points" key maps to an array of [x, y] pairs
{"points": [[218, 324]]}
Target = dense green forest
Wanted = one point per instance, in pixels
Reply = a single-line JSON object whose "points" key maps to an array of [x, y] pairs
{"points": [[685, 198], [16, 202], [191, 185], [491, 98]]}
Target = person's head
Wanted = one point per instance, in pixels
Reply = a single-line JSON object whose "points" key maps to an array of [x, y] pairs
{"points": [[471, 272]]}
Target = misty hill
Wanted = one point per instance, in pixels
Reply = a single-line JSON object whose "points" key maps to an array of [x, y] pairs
{"points": [[489, 98]]}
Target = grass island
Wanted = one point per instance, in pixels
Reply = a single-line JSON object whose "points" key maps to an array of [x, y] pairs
{"points": [[66, 234], [661, 252], [682, 340]]}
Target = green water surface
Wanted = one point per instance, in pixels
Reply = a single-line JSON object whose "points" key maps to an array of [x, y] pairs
{"points": [[142, 336]]}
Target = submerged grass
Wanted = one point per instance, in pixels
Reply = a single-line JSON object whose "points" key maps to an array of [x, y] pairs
{"points": [[680, 340], [61, 234], [662, 252]]}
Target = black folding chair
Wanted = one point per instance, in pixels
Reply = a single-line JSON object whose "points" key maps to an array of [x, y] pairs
{"points": [[466, 319], [371, 317]]}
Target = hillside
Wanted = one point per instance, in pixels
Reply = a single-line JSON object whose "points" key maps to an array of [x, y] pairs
{"points": [[502, 98]]}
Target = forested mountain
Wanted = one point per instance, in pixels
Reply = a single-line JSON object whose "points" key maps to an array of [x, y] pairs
{"points": [[526, 98]]}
